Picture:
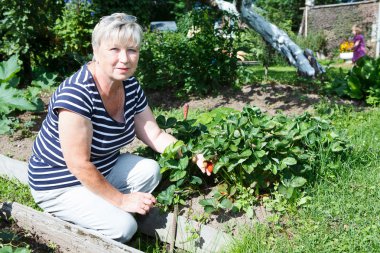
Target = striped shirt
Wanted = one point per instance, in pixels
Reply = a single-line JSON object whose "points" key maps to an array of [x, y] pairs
{"points": [[47, 169]]}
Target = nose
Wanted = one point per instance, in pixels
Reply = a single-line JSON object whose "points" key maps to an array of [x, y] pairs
{"points": [[123, 56]]}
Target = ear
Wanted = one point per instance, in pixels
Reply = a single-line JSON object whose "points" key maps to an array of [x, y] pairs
{"points": [[94, 53]]}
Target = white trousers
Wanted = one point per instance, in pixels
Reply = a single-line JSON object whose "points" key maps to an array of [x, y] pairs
{"points": [[80, 206]]}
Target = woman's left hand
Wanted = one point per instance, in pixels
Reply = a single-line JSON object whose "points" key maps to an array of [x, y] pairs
{"points": [[201, 162]]}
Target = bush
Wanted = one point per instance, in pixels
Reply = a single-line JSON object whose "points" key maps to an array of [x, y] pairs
{"points": [[198, 62], [361, 82], [316, 42]]}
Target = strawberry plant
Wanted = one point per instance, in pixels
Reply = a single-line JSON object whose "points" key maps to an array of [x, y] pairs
{"points": [[250, 153]]}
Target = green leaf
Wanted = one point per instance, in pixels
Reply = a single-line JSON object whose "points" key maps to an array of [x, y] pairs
{"points": [[11, 99], [166, 197], [5, 126], [336, 147], [354, 87], [9, 68], [183, 163], [22, 250], [289, 161], [170, 122], [286, 191], [260, 153], [6, 249], [161, 121], [237, 134], [226, 204], [195, 180], [208, 202], [297, 182], [209, 209], [177, 175]]}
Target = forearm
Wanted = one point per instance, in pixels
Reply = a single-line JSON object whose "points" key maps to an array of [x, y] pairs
{"points": [[94, 181], [161, 141]]}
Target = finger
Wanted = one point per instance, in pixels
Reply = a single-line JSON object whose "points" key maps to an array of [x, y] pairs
{"points": [[150, 198], [143, 209], [201, 165], [147, 201]]}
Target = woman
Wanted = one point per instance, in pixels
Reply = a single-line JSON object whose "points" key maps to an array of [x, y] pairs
{"points": [[359, 43], [76, 171]]}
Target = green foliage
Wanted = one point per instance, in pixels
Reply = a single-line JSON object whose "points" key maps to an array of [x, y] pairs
{"points": [[251, 152], [342, 215], [13, 99], [316, 42], [361, 82], [288, 18], [73, 30], [9, 188], [198, 63], [144, 10], [25, 31], [10, 249]]}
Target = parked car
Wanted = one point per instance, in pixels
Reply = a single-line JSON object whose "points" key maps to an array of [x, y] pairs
{"points": [[163, 26]]}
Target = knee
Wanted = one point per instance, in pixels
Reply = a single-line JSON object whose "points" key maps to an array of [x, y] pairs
{"points": [[152, 171], [123, 229]]}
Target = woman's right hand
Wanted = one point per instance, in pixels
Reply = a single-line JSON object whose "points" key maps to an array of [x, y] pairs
{"points": [[138, 202]]}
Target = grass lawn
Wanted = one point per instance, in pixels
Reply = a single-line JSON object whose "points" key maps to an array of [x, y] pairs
{"points": [[343, 214]]}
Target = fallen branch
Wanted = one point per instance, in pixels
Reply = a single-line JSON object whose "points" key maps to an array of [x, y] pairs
{"points": [[274, 36]]}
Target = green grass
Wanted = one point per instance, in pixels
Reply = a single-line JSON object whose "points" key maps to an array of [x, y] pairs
{"points": [[343, 215], [14, 191]]}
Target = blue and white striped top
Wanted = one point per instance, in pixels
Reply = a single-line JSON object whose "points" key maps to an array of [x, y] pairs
{"points": [[78, 93]]}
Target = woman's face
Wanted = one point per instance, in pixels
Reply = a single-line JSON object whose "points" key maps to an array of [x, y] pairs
{"points": [[353, 31], [116, 61]]}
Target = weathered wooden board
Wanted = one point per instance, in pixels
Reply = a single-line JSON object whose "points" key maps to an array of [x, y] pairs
{"points": [[68, 237], [12, 168]]}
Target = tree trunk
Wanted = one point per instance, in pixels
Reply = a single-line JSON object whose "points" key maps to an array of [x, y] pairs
{"points": [[274, 36]]}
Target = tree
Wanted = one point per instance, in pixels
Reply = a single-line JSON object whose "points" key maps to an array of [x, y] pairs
{"points": [[276, 37], [24, 30]]}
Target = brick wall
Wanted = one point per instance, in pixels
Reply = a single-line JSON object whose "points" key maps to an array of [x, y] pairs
{"points": [[336, 21]]}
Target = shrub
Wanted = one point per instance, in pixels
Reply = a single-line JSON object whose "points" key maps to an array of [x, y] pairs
{"points": [[361, 82], [198, 63]]}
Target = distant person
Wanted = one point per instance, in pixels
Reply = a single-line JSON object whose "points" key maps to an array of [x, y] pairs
{"points": [[359, 43], [76, 171]]}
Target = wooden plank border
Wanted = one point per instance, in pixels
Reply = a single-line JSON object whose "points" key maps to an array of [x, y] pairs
{"points": [[68, 237]]}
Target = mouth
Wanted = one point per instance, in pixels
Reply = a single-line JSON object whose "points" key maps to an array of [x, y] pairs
{"points": [[123, 69]]}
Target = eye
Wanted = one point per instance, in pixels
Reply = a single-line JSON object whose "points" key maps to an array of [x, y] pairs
{"points": [[132, 50]]}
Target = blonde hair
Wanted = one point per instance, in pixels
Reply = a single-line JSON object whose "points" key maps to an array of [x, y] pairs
{"points": [[357, 29], [118, 27]]}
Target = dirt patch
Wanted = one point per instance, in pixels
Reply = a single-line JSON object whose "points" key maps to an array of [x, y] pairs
{"points": [[13, 235], [270, 98]]}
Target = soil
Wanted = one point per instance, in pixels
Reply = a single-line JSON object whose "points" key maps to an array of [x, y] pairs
{"points": [[270, 98], [13, 235]]}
